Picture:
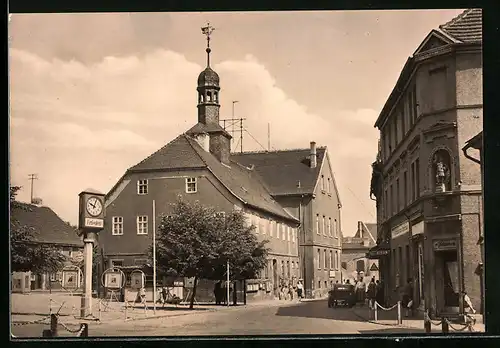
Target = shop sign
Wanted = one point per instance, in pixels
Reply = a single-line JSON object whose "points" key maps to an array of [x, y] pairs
{"points": [[400, 230], [417, 229], [444, 244]]}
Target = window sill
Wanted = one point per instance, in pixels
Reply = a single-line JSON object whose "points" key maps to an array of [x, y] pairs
{"points": [[142, 234], [192, 192], [117, 234], [142, 194]]}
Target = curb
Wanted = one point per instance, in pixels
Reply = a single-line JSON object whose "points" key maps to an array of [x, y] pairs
{"points": [[383, 324]]}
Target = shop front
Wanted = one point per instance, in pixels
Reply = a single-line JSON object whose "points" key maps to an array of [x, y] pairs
{"points": [[417, 247]]}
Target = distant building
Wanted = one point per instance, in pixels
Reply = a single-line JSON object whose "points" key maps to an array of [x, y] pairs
{"points": [[354, 261], [302, 182], [50, 229], [428, 194]]}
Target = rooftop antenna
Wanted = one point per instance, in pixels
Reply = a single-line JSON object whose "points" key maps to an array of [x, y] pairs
{"points": [[32, 178], [269, 136]]}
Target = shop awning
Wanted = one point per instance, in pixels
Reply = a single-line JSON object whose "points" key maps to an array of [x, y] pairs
{"points": [[379, 251]]}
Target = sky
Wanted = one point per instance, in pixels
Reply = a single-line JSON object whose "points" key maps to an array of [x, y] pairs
{"points": [[93, 94]]}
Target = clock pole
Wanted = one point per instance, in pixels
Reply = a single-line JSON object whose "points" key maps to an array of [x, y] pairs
{"points": [[91, 222]]}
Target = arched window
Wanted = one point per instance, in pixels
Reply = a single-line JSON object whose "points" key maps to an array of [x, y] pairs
{"points": [[441, 171]]}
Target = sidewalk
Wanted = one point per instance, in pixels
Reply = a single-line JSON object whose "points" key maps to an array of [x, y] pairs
{"points": [[390, 318]]}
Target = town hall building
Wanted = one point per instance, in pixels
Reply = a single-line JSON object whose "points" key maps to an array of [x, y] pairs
{"points": [[290, 196]]}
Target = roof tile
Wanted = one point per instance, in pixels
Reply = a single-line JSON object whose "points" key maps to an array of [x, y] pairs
{"points": [[49, 227], [282, 170], [466, 27]]}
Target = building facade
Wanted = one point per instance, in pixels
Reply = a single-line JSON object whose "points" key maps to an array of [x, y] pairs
{"points": [[49, 229], [428, 193], [354, 261], [302, 181], [198, 166]]}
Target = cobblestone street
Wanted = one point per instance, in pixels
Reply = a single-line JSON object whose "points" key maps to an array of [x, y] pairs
{"points": [[279, 318]]}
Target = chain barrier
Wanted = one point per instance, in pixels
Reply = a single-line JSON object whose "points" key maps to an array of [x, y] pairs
{"points": [[383, 308], [428, 318], [77, 331], [38, 321], [468, 325]]}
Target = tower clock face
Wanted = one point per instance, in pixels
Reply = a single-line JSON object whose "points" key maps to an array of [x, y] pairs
{"points": [[94, 206]]}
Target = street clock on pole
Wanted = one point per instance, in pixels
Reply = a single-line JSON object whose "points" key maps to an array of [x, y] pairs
{"points": [[91, 210]]}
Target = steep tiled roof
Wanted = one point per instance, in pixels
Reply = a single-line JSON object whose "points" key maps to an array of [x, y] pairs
{"points": [[49, 227], [243, 183], [368, 228], [176, 154], [207, 128], [185, 152], [466, 27], [283, 170]]}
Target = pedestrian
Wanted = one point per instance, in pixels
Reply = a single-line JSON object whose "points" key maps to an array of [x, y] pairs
{"points": [[371, 292], [217, 293], [360, 291], [407, 301], [300, 289], [290, 291], [379, 297], [468, 303]]}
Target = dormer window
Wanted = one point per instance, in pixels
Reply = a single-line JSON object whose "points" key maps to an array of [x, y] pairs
{"points": [[191, 185], [142, 187], [328, 187], [323, 183]]}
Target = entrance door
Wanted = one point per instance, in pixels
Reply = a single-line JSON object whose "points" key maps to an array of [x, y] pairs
{"points": [[447, 281]]}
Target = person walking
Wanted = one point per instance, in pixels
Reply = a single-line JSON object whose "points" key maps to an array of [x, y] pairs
{"points": [[217, 293], [379, 296], [371, 292], [360, 291], [300, 289], [407, 301]]}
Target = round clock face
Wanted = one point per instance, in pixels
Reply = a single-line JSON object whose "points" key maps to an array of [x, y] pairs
{"points": [[94, 206]]}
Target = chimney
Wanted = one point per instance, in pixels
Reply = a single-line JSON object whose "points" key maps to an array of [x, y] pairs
{"points": [[220, 146], [312, 156], [203, 140], [360, 229]]}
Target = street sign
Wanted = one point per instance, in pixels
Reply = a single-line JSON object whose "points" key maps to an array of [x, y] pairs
{"points": [[374, 267]]}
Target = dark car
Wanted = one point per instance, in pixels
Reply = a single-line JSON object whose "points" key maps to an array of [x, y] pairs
{"points": [[342, 294]]}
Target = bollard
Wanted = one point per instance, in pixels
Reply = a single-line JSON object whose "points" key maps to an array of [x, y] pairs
{"points": [[400, 320], [445, 327], [53, 325], [46, 333], [427, 326], [376, 311], [85, 331]]}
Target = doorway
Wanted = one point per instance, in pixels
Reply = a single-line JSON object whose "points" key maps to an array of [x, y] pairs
{"points": [[275, 275], [447, 281]]}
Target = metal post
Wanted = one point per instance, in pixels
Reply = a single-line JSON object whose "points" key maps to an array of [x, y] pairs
{"points": [[154, 257], [227, 283], [53, 325], [86, 303], [427, 325], [445, 327], [85, 331], [376, 311], [100, 309], [400, 321]]}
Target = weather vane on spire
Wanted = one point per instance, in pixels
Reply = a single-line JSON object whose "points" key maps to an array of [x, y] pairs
{"points": [[208, 31]]}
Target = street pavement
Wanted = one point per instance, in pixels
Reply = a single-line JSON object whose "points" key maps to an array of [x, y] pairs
{"points": [[270, 318]]}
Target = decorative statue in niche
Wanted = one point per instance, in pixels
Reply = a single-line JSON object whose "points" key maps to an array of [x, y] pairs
{"points": [[442, 171]]}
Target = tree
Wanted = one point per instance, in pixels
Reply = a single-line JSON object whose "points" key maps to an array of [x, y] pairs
{"points": [[26, 253], [197, 242]]}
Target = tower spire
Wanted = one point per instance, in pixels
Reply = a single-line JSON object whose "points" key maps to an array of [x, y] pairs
{"points": [[208, 31]]}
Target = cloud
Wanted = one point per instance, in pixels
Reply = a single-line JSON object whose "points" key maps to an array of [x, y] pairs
{"points": [[67, 117]]}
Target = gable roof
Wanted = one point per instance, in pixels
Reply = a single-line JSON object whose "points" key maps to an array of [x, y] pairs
{"points": [[185, 153], [282, 170], [48, 226], [367, 230], [467, 27], [176, 154]]}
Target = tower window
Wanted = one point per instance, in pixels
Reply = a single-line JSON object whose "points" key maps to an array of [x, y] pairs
{"points": [[209, 94], [216, 96]]}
